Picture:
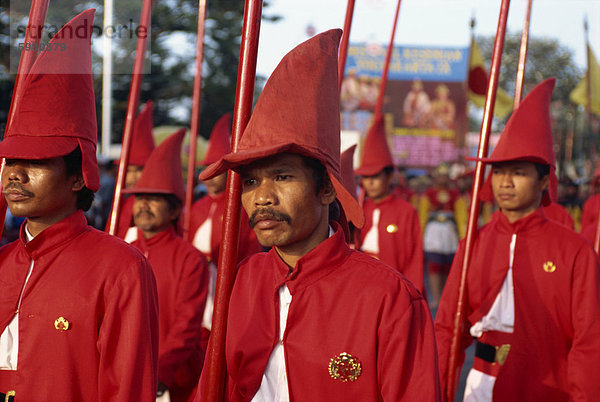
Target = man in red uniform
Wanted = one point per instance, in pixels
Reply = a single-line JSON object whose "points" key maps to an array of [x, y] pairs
{"points": [[181, 271], [533, 285], [440, 236], [312, 319], [392, 232], [78, 308], [591, 207], [142, 145], [207, 217]]}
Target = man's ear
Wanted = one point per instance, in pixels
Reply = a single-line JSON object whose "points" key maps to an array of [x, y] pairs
{"points": [[545, 183], [327, 194], [78, 183]]}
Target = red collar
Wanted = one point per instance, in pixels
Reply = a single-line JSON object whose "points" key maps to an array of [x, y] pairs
{"points": [[527, 224], [317, 263], [55, 235]]}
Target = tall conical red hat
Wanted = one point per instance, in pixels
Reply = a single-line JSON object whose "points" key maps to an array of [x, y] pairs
{"points": [[347, 166], [528, 137], [298, 111], [142, 140], [219, 143], [376, 152], [163, 171], [56, 111]]}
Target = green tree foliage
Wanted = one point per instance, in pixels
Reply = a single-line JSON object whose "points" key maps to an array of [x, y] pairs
{"points": [[546, 57], [172, 58]]}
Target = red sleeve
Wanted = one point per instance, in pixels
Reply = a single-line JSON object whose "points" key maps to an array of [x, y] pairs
{"points": [[182, 355], [584, 355], [128, 337], [589, 212], [444, 322], [406, 335], [413, 268]]}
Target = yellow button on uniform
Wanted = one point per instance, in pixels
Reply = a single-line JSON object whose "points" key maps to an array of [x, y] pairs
{"points": [[391, 228]]}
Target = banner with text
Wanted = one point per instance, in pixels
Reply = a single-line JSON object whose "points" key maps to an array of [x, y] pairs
{"points": [[424, 103]]}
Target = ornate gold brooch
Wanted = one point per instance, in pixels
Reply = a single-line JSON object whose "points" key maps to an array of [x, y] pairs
{"points": [[344, 367], [61, 324]]}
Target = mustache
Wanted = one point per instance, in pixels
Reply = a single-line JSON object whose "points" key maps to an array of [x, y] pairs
{"points": [[144, 211], [19, 187], [267, 214]]}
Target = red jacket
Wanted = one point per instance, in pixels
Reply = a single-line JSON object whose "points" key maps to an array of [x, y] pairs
{"points": [[125, 220], [201, 211], [342, 301], [400, 239], [181, 274], [106, 291], [558, 213], [555, 350], [589, 213]]}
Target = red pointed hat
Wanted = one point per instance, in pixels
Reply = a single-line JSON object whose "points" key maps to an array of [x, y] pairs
{"points": [[298, 111], [163, 171], [142, 140], [527, 137], [376, 152], [219, 143], [56, 111], [347, 166]]}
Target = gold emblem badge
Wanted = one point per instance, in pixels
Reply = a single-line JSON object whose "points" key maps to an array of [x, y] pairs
{"points": [[391, 228], [502, 353], [344, 367], [61, 324], [549, 266]]}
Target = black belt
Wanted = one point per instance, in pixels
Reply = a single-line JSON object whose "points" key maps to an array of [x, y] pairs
{"points": [[492, 354], [8, 397]]}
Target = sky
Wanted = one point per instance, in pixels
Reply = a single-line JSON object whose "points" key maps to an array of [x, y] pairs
{"points": [[426, 22]]}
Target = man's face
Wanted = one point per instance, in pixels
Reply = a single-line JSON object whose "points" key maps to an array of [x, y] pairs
{"points": [[216, 185], [285, 210], [517, 188], [377, 187], [134, 172], [153, 214], [40, 189]]}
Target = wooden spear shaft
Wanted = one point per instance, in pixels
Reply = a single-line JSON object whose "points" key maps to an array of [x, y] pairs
{"points": [[195, 123], [522, 57], [132, 105], [486, 124], [37, 17], [386, 67], [345, 41], [215, 360]]}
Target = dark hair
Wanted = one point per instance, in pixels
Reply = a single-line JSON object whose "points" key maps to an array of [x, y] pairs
{"points": [[388, 170], [73, 161], [319, 174], [542, 170], [172, 200], [318, 171]]}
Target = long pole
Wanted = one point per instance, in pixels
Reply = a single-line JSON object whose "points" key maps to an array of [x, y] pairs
{"points": [[386, 67], [195, 124], [522, 57], [345, 41], [482, 151], [107, 65], [215, 360], [37, 17], [132, 105]]}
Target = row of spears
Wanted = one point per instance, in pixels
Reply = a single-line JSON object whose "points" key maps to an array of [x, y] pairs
{"points": [[215, 360]]}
